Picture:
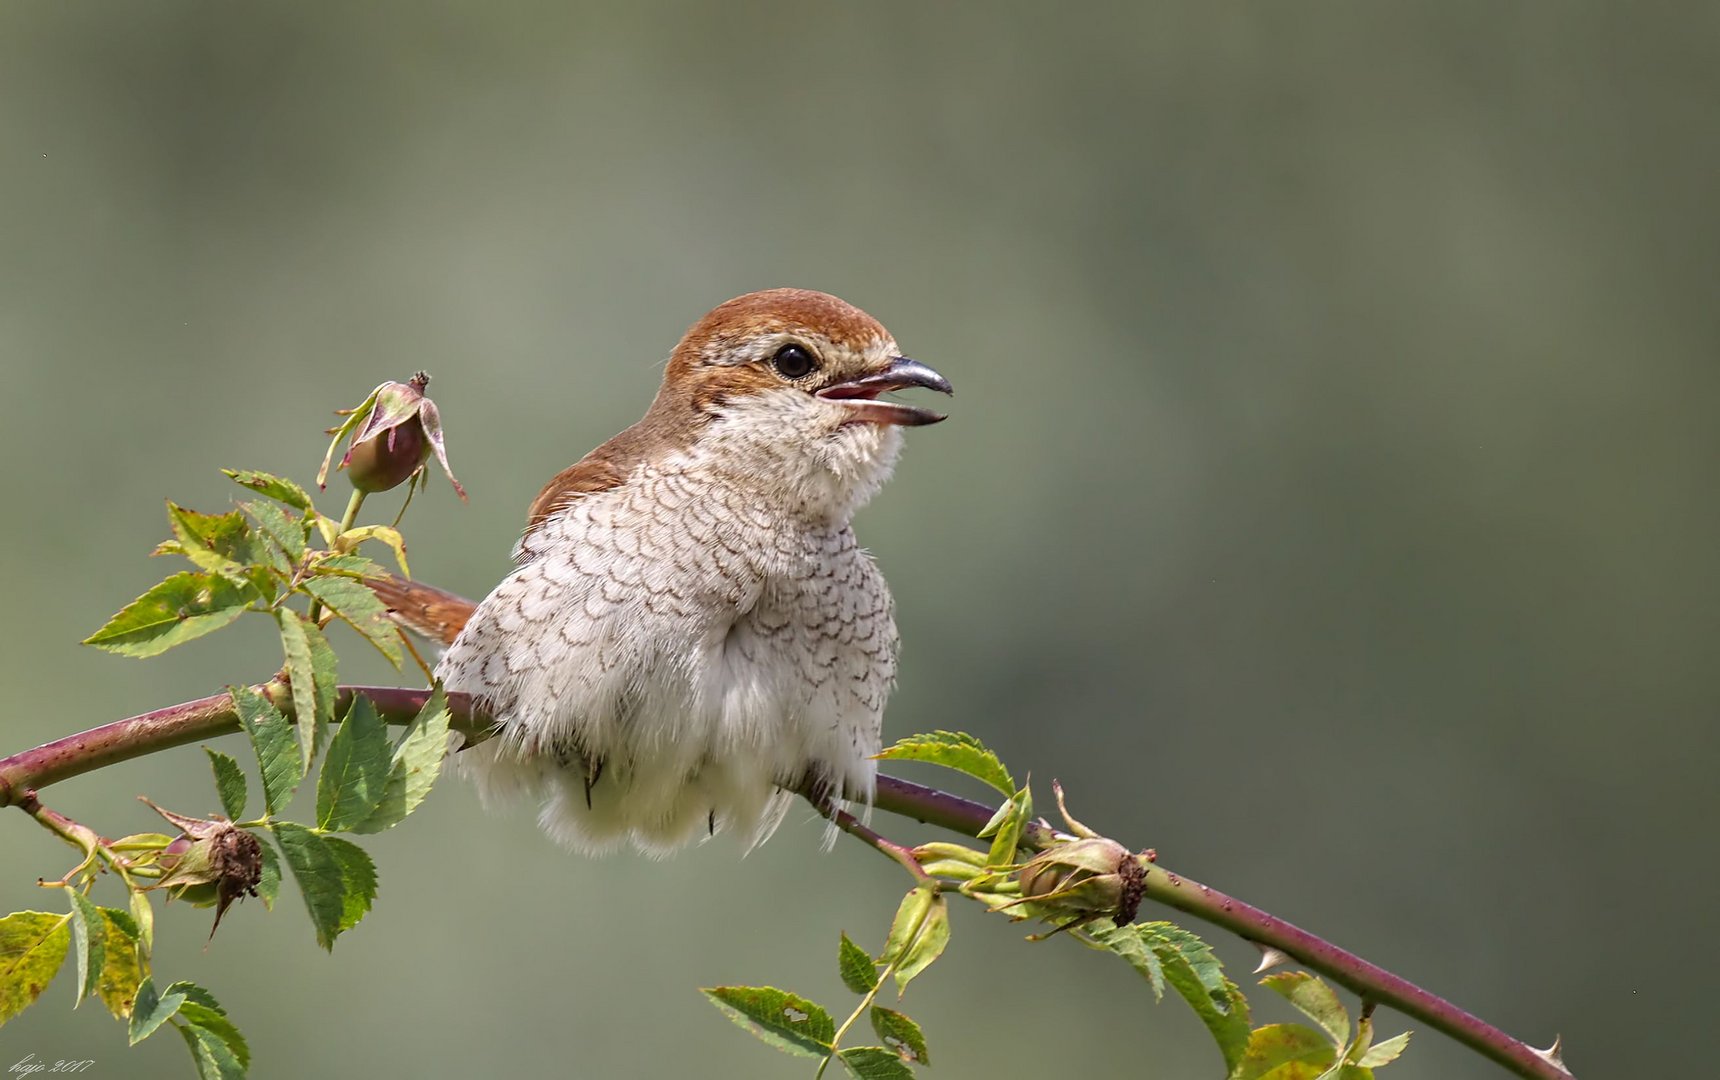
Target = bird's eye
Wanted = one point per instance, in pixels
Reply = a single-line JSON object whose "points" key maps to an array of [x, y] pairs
{"points": [[793, 362]]}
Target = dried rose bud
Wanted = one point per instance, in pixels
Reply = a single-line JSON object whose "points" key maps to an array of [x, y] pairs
{"points": [[1089, 878], [393, 433], [213, 862]]}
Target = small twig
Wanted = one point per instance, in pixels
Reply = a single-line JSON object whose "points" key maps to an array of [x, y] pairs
{"points": [[854, 827], [353, 505]]}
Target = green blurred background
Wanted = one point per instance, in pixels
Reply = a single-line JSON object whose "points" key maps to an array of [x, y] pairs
{"points": [[1328, 501]]}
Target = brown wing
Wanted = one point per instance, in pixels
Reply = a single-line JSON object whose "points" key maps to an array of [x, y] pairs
{"points": [[440, 615], [590, 474], [425, 610], [668, 426]]}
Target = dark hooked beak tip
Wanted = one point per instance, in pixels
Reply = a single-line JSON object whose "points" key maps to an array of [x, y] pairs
{"points": [[902, 374]]}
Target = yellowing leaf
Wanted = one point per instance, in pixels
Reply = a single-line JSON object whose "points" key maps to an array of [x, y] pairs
{"points": [[382, 533], [121, 971], [1284, 1052], [1315, 1000], [33, 945]]}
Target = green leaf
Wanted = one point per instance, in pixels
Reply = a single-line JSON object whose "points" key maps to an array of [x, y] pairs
{"points": [[918, 934], [319, 874], [229, 784], [273, 486], [1284, 1052], [358, 880], [1008, 837], [121, 971], [356, 772], [146, 839], [786, 1021], [954, 750], [220, 543], [195, 995], [859, 973], [354, 417], [995, 822], [874, 1063], [269, 884], [32, 947], [325, 671], [143, 918], [210, 1052], [181, 608], [1166, 953], [152, 1010], [203, 1011], [359, 608], [288, 533], [1385, 1052], [272, 739], [417, 762], [910, 917], [89, 940], [302, 680], [349, 566], [1126, 942], [901, 1035], [1315, 1000], [1193, 971]]}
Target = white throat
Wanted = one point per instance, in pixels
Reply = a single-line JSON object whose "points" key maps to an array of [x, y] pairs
{"points": [[799, 454]]}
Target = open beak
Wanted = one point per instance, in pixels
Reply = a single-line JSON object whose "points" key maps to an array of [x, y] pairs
{"points": [[861, 395]]}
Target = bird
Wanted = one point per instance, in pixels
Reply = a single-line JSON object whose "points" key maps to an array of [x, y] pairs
{"points": [[691, 633]]}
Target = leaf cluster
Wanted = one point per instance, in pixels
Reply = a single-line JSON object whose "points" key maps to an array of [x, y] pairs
{"points": [[1080, 885], [796, 1025], [260, 557]]}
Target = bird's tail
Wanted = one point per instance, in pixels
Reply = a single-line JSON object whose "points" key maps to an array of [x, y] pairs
{"points": [[431, 613]]}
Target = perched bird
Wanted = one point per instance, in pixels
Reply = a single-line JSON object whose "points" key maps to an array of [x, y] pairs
{"points": [[692, 632]]}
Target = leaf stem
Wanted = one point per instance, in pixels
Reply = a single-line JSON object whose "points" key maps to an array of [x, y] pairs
{"points": [[854, 827], [82, 837], [353, 505], [865, 1003]]}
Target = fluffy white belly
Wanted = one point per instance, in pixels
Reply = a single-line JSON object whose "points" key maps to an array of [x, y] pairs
{"points": [[653, 688]]}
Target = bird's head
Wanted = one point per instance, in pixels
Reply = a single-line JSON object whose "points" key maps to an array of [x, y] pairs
{"points": [[785, 387]]}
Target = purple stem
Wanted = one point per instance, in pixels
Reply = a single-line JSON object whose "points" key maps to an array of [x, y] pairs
{"points": [[1370, 982], [21, 774]]}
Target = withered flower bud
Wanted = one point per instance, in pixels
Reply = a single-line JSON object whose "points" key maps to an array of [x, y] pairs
{"points": [[394, 431], [213, 862], [1089, 878]]}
